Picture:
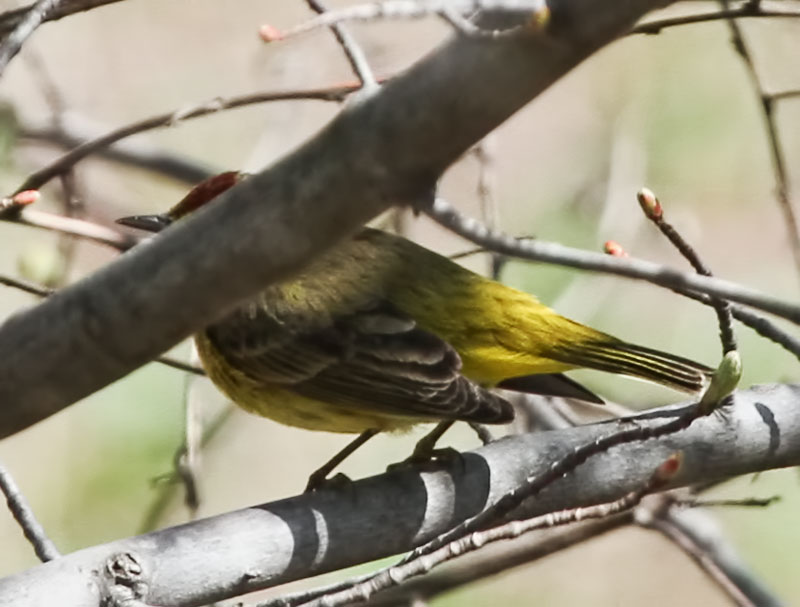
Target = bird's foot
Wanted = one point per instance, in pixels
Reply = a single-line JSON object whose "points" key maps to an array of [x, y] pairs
{"points": [[319, 481], [428, 459]]}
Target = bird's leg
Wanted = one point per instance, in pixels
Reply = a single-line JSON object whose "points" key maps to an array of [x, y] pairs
{"points": [[320, 476], [425, 448], [483, 432], [425, 451]]}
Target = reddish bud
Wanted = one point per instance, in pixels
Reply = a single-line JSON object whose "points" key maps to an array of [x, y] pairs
{"points": [[612, 247], [669, 467], [25, 197], [650, 205], [270, 33]]}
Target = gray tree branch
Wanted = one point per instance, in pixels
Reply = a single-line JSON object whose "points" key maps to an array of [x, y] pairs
{"points": [[11, 19], [384, 149], [270, 544]]}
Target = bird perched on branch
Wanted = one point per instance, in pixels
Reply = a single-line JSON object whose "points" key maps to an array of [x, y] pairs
{"points": [[379, 334]]}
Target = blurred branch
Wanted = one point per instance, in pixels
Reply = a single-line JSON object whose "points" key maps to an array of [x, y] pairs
{"points": [[314, 533], [11, 19], [396, 149], [167, 491], [88, 230], [26, 286], [128, 152], [746, 9], [36, 180], [782, 192], [526, 15], [31, 18], [791, 94], [698, 536]]}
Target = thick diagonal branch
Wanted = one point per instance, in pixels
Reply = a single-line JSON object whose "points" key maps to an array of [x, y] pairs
{"points": [[387, 148]]}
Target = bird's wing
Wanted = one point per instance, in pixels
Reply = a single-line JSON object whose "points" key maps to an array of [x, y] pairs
{"points": [[375, 359]]}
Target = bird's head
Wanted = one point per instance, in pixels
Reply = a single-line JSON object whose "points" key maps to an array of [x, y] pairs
{"points": [[202, 193]]}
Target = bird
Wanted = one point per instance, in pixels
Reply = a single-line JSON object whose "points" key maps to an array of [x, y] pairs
{"points": [[379, 334]]}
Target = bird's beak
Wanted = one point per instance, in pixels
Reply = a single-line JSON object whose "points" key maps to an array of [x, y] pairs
{"points": [[151, 223]]}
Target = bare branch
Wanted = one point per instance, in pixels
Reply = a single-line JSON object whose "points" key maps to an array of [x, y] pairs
{"points": [[42, 176], [478, 566], [537, 250], [697, 536], [747, 9], [352, 50], [782, 192], [529, 13], [30, 20], [11, 19], [81, 228], [33, 530], [654, 211], [313, 533], [74, 132], [397, 574]]}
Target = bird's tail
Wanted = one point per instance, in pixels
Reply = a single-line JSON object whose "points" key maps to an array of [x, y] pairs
{"points": [[628, 359]]}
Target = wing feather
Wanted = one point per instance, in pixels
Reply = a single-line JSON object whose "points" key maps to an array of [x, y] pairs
{"points": [[375, 359]]}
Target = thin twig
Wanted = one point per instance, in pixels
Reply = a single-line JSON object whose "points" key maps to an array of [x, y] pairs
{"points": [[782, 192], [487, 195], [187, 466], [742, 502], [479, 250], [11, 19], [498, 559], [80, 228], [132, 153], [443, 213], [67, 245], [36, 180], [156, 511], [180, 365], [759, 324], [746, 9], [72, 203], [26, 286], [352, 50], [536, 12], [36, 13], [473, 567], [726, 575], [19, 507], [781, 95], [654, 211]]}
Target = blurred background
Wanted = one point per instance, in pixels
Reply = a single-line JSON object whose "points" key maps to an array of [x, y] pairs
{"points": [[675, 112]]}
